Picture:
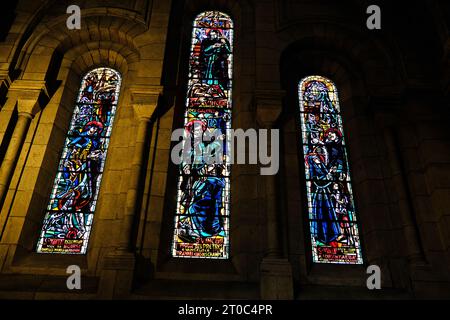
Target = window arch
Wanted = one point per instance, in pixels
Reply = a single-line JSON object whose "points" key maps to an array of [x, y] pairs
{"points": [[331, 210], [70, 211], [203, 197]]}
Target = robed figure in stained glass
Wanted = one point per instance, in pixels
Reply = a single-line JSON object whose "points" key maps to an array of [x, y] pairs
{"points": [[324, 221], [203, 195], [81, 167], [214, 59], [202, 186], [205, 208], [69, 217], [332, 220]]}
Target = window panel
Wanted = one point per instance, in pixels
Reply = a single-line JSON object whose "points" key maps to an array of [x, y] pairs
{"points": [[203, 197], [70, 211], [331, 211]]}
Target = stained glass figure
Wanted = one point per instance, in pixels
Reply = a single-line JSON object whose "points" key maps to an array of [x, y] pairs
{"points": [[70, 211], [203, 197], [331, 209]]}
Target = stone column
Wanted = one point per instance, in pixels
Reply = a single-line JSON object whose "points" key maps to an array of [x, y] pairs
{"points": [[5, 113], [410, 230], [414, 251], [26, 95], [118, 269], [5, 83], [276, 271]]}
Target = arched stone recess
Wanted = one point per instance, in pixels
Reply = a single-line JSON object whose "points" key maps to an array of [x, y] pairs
{"points": [[98, 25], [26, 21], [361, 69], [113, 38], [157, 215], [48, 18]]}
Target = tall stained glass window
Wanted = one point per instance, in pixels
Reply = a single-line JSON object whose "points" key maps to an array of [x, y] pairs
{"points": [[203, 197], [70, 211], [331, 209]]}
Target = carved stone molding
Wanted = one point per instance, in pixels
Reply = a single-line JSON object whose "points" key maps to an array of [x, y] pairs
{"points": [[144, 100], [268, 106], [27, 93]]}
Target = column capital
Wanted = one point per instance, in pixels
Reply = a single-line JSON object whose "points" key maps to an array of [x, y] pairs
{"points": [[5, 79], [276, 281], [27, 93], [386, 108], [391, 100], [385, 119], [119, 260], [28, 107], [268, 106], [29, 89], [144, 100]]}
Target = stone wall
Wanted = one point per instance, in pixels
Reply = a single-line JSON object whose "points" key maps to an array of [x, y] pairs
{"points": [[393, 86]]}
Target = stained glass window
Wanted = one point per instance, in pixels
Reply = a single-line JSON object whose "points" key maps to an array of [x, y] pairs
{"points": [[70, 211], [331, 209], [203, 197]]}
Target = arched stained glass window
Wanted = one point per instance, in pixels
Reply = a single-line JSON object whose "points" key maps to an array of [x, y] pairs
{"points": [[331, 209], [70, 211], [203, 198]]}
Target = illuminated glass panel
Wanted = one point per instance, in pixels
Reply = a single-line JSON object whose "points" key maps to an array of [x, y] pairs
{"points": [[70, 211], [203, 197], [331, 209]]}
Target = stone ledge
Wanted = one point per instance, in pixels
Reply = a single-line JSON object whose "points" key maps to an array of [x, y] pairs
{"points": [[182, 289], [29, 283], [276, 279], [119, 261]]}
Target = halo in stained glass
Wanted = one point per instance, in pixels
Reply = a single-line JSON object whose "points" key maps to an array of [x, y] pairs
{"points": [[203, 196], [70, 211], [213, 19], [331, 210]]}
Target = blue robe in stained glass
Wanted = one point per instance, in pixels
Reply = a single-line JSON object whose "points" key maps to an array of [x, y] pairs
{"points": [[324, 221]]}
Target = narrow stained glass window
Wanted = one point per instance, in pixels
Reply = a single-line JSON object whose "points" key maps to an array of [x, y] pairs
{"points": [[203, 197], [331, 210], [70, 211]]}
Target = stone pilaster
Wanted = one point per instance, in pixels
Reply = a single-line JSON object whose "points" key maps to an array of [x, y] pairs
{"points": [[117, 274], [276, 271], [5, 83], [410, 230], [26, 96]]}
